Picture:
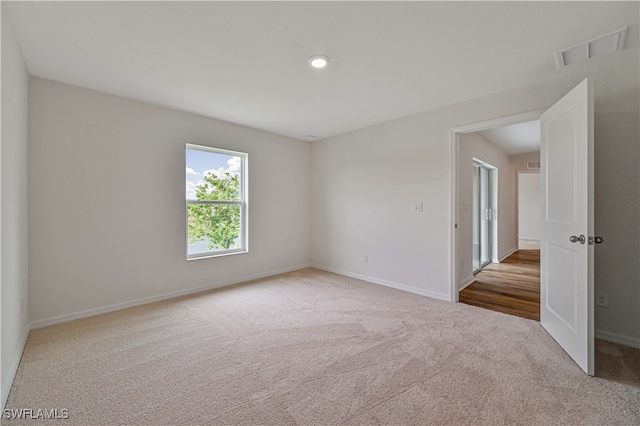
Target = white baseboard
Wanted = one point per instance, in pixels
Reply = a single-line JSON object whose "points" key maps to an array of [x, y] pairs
{"points": [[621, 339], [117, 306], [509, 253], [7, 382], [466, 283], [398, 286]]}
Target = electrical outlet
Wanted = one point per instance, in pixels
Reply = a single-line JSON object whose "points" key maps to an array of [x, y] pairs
{"points": [[275, 253], [365, 258], [602, 299]]}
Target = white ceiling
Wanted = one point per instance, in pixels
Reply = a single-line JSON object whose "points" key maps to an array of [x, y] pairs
{"points": [[246, 62], [516, 139]]}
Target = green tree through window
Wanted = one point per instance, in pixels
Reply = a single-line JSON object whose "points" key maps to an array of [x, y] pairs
{"points": [[216, 205]]}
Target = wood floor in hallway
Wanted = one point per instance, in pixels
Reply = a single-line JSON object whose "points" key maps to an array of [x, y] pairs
{"points": [[511, 287]]}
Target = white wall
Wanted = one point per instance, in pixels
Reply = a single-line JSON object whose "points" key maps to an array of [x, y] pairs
{"points": [[529, 206], [106, 202], [520, 160], [617, 208], [13, 213], [474, 145], [364, 184]]}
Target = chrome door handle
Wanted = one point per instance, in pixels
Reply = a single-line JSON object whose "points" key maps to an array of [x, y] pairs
{"points": [[575, 239]]}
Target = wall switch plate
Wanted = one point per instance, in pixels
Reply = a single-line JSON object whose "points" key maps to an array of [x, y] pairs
{"points": [[602, 299], [365, 258], [418, 207]]}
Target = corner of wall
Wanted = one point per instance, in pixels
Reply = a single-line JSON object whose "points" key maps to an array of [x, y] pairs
{"points": [[13, 213], [7, 380], [466, 282]]}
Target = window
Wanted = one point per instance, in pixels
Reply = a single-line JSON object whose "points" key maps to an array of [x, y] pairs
{"points": [[216, 199]]}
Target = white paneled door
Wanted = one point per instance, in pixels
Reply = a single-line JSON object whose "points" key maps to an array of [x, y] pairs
{"points": [[566, 249]]}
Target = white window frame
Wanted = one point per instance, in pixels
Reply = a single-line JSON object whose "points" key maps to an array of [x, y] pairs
{"points": [[242, 203]]}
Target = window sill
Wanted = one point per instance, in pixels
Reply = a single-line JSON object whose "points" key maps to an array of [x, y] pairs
{"points": [[210, 255]]}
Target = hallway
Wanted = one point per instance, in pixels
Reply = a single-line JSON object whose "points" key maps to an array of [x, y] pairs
{"points": [[511, 287]]}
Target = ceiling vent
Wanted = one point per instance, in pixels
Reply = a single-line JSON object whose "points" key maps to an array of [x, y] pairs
{"points": [[601, 46], [533, 165]]}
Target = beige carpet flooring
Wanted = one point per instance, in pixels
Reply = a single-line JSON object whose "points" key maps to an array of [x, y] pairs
{"points": [[310, 348], [617, 362]]}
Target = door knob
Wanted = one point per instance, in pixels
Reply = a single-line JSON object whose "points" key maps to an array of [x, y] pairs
{"points": [[575, 239]]}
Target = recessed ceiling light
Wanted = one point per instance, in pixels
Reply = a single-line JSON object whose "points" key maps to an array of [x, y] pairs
{"points": [[319, 61]]}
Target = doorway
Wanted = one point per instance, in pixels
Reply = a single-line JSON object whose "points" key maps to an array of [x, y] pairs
{"points": [[505, 276], [460, 208], [528, 209]]}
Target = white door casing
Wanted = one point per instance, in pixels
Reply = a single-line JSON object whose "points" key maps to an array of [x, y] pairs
{"points": [[566, 267]]}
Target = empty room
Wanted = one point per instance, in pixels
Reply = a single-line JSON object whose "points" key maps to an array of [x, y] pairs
{"points": [[268, 212]]}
